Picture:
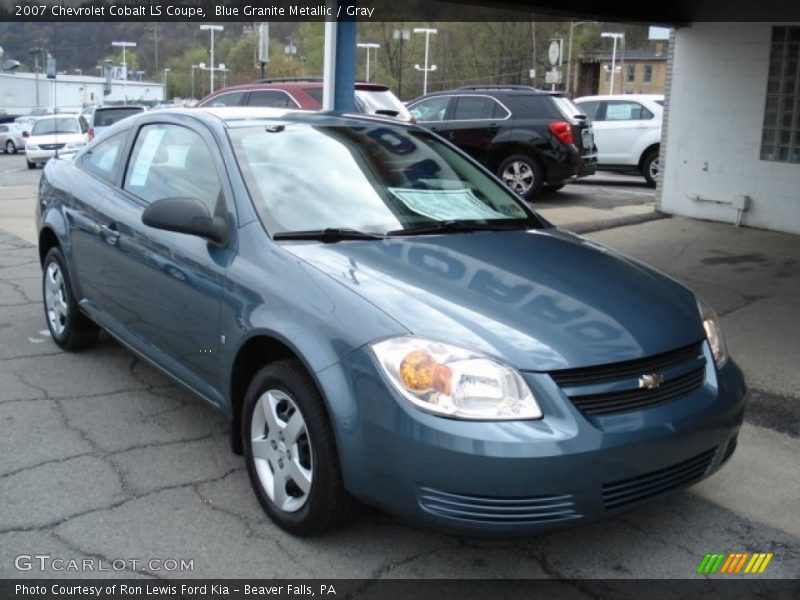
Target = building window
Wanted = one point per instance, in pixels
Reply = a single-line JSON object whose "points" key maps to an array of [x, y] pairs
{"points": [[648, 73], [780, 140], [630, 74]]}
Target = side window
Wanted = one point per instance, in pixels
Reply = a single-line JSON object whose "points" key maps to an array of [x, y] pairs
{"points": [[102, 159], [626, 111], [271, 98], [232, 99], [432, 109], [470, 108], [171, 161], [3, 129], [590, 109], [84, 124]]}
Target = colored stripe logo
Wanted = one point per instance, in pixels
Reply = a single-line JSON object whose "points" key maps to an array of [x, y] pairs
{"points": [[735, 563]]}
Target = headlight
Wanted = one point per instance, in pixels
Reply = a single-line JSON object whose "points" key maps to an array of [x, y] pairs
{"points": [[713, 332], [455, 382], [31, 147]]}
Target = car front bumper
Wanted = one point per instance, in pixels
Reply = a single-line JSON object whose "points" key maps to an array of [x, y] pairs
{"points": [[516, 478], [42, 156]]}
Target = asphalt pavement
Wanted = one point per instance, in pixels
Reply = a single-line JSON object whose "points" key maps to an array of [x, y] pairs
{"points": [[105, 458]]}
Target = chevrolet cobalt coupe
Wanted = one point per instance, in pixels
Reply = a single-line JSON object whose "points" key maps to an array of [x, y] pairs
{"points": [[383, 320]]}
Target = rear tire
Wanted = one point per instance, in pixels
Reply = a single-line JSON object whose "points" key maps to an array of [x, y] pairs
{"points": [[69, 327], [31, 165], [10, 148], [290, 451], [523, 174], [650, 168]]}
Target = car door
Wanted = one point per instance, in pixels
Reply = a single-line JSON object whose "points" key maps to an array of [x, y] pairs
{"points": [[161, 291], [431, 112], [618, 126], [473, 122]]}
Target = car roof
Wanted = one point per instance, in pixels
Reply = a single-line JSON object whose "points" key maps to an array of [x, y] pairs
{"points": [[653, 97], [57, 116], [294, 84], [124, 106], [245, 116]]}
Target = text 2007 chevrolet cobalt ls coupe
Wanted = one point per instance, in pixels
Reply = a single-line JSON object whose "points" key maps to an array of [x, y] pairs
{"points": [[382, 319]]}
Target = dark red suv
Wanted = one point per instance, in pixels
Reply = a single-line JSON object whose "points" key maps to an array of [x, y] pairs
{"points": [[306, 94]]}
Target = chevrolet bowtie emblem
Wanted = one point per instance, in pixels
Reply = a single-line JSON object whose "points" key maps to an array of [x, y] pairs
{"points": [[650, 381]]}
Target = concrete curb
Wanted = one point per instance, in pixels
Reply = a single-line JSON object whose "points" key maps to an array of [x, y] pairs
{"points": [[590, 226]]}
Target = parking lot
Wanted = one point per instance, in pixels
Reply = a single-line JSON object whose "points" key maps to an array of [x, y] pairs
{"points": [[103, 457]]}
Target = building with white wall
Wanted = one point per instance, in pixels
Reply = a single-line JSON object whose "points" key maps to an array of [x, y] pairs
{"points": [[18, 92], [732, 136]]}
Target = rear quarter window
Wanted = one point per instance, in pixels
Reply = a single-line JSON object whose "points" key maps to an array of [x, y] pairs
{"points": [[532, 106]]}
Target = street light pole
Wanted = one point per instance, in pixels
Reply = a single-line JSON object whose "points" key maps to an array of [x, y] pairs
{"points": [[615, 37], [166, 70], [572, 26], [427, 31], [124, 45], [212, 29], [368, 47]]}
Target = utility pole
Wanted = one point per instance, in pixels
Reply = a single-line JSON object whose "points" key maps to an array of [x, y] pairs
{"points": [[154, 37], [35, 52], [368, 47], [402, 35], [615, 37]]}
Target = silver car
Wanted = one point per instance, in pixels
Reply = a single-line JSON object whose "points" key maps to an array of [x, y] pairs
{"points": [[11, 140]]}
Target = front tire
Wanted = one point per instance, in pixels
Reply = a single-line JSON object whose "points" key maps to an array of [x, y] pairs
{"points": [[522, 174], [31, 165], [69, 327], [650, 168], [290, 451]]}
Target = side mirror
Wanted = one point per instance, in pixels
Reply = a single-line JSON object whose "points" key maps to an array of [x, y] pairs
{"points": [[186, 215], [26, 134]]}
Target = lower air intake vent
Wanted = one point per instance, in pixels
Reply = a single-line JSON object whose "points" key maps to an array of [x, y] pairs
{"points": [[629, 491], [535, 509]]}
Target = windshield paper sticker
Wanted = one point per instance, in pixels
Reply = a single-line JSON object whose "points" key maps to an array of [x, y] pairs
{"points": [[446, 205]]}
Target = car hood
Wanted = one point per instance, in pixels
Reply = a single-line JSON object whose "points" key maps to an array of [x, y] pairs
{"points": [[541, 300]]}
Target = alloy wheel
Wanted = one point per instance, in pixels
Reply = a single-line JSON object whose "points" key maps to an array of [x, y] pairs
{"points": [[282, 451], [10, 147], [518, 176], [653, 169], [55, 298]]}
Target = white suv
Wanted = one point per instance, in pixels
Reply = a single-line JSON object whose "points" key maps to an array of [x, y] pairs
{"points": [[627, 131]]}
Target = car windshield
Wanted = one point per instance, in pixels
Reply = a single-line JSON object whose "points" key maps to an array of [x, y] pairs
{"points": [[567, 107], [105, 117], [53, 126], [369, 178]]}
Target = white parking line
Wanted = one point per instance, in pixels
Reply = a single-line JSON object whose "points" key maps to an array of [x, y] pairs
{"points": [[11, 171]]}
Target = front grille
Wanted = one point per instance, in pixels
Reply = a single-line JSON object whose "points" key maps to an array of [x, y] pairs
{"points": [[636, 399], [535, 509], [51, 146], [630, 368], [596, 401], [629, 491]]}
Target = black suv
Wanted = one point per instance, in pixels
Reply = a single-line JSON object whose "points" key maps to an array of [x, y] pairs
{"points": [[528, 137]]}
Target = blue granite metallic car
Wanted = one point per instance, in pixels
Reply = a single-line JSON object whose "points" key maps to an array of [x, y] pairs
{"points": [[383, 320]]}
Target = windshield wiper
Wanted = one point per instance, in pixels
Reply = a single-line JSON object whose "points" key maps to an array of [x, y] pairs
{"points": [[455, 227], [327, 235]]}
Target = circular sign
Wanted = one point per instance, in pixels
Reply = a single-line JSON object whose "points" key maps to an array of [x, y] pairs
{"points": [[553, 52]]}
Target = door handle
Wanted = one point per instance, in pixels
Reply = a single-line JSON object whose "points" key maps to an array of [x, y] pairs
{"points": [[110, 233]]}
